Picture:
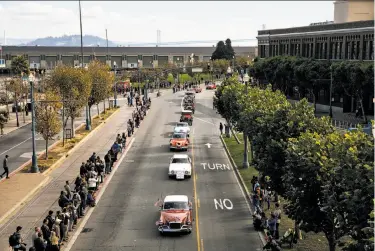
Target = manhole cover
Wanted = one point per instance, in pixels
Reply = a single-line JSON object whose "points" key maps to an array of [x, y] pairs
{"points": [[87, 230]]}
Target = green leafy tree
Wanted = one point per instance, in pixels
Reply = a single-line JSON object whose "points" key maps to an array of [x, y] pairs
{"points": [[48, 122], [102, 83], [229, 49], [19, 89], [20, 65], [220, 51], [74, 87], [330, 184]]}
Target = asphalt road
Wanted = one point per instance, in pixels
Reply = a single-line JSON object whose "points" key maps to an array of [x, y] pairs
{"points": [[124, 219], [18, 144]]}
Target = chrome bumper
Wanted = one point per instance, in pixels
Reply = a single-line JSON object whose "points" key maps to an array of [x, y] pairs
{"points": [[177, 148], [183, 229]]}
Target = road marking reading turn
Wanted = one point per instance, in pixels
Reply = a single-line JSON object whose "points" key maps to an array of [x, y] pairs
{"points": [[223, 203], [215, 166]]}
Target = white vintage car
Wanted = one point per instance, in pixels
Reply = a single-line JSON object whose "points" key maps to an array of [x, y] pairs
{"points": [[180, 166], [182, 127], [176, 215]]}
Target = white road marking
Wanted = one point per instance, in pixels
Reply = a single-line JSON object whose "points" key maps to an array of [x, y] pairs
{"points": [[208, 145], [91, 210], [223, 203], [205, 121], [15, 146], [27, 155]]}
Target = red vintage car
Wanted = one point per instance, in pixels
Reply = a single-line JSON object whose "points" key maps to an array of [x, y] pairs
{"points": [[211, 86], [197, 88]]}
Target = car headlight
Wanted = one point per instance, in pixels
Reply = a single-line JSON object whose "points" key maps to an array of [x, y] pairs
{"points": [[186, 172], [172, 172]]}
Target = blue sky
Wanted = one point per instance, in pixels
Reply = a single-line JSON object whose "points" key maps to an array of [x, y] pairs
{"points": [[139, 21]]}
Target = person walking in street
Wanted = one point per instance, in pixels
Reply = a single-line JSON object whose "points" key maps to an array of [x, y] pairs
{"points": [[5, 166], [221, 128]]}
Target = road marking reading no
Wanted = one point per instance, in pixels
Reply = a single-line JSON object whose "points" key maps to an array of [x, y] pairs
{"points": [[215, 166], [225, 203]]}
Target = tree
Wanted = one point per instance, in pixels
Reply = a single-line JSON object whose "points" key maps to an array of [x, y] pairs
{"points": [[322, 194], [220, 51], [229, 49], [20, 65], [74, 87], [220, 65], [101, 81], [48, 122], [19, 89], [354, 79], [313, 76]]}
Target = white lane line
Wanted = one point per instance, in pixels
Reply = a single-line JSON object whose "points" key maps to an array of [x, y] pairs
{"points": [[91, 210], [205, 121], [15, 146]]}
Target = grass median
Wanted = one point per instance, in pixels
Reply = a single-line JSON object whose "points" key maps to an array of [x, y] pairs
{"points": [[310, 241], [59, 150]]}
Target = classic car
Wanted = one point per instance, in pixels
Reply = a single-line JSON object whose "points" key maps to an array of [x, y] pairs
{"points": [[211, 86], [187, 116], [179, 141], [197, 88], [179, 166], [176, 215], [182, 127]]}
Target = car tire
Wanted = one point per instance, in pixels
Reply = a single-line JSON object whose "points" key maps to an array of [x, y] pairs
{"points": [[170, 176], [188, 176]]}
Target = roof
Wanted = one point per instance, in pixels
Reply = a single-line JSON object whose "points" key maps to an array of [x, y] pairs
{"points": [[176, 198], [180, 156], [177, 51]]}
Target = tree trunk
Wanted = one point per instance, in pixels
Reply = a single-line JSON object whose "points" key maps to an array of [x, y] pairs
{"points": [[18, 123], [331, 241], [23, 111], [109, 103], [97, 108], [104, 106], [363, 111], [72, 127], [47, 148], [90, 115]]}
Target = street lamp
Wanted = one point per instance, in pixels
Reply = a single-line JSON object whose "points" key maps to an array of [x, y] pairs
{"points": [[115, 84], [34, 165]]}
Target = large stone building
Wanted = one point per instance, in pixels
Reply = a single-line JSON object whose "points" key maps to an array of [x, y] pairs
{"points": [[349, 37], [333, 41], [48, 57]]}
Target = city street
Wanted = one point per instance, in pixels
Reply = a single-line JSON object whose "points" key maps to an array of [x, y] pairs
{"points": [[18, 144], [124, 218]]}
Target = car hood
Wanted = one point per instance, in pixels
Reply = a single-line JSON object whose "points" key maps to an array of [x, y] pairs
{"points": [[179, 167], [174, 216]]}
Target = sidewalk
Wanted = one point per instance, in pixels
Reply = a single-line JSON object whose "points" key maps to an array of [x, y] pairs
{"points": [[11, 125], [35, 211]]}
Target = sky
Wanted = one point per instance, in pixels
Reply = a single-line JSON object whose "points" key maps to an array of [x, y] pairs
{"points": [[138, 21]]}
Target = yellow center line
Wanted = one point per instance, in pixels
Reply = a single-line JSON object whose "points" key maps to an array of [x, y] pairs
{"points": [[195, 198]]}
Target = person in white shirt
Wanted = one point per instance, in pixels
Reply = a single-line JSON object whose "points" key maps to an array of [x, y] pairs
{"points": [[35, 235], [93, 183]]}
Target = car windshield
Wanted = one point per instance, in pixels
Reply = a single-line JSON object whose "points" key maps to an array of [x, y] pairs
{"points": [[179, 136], [181, 124], [180, 160], [176, 205]]}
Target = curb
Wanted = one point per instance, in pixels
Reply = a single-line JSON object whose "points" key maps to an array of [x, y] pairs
{"points": [[242, 184], [25, 198], [16, 129]]}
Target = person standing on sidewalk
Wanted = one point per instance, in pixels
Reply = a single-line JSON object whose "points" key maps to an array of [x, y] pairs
{"points": [[16, 241], [68, 190], [5, 166], [35, 235], [221, 127], [107, 160]]}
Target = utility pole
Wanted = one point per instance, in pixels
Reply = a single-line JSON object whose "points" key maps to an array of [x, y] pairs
{"points": [[88, 126], [34, 165], [330, 93], [245, 155]]}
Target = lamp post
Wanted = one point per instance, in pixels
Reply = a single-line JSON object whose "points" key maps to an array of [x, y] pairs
{"points": [[115, 84], [330, 94], [34, 165], [88, 126], [245, 155]]}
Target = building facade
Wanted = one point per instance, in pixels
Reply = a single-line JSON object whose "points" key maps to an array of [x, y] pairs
{"points": [[48, 57], [330, 41], [324, 41], [353, 10]]}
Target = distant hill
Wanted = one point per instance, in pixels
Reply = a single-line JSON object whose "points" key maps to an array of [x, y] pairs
{"points": [[73, 40], [14, 41]]}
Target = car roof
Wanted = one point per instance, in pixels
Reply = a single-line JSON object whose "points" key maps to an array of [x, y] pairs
{"points": [[180, 156], [176, 198]]}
